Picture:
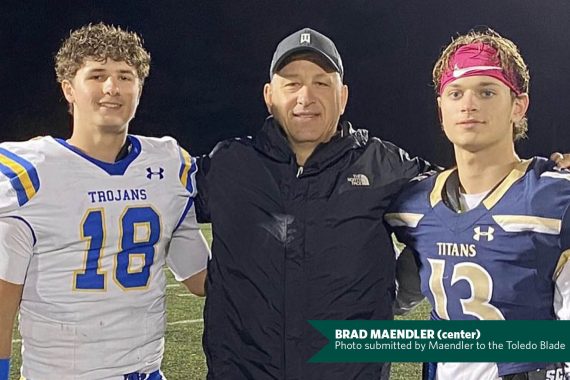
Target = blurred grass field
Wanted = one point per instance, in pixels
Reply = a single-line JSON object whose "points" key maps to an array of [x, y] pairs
{"points": [[183, 358]]}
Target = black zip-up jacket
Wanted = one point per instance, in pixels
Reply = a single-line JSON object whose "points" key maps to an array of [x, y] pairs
{"points": [[292, 244]]}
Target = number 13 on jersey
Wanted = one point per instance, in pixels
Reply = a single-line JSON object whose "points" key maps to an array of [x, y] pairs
{"points": [[133, 245], [480, 283]]}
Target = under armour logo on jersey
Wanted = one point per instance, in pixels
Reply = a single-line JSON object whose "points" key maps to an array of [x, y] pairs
{"points": [[159, 173], [358, 180], [305, 38], [486, 234]]}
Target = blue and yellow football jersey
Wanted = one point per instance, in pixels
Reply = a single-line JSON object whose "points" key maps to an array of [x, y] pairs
{"points": [[93, 304]]}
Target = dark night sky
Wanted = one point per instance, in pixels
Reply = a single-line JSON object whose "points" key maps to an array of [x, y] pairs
{"points": [[210, 60]]}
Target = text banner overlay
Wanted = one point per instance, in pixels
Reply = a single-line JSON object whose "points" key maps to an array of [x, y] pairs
{"points": [[449, 341]]}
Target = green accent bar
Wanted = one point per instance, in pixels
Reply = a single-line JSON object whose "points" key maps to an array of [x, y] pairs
{"points": [[443, 341]]}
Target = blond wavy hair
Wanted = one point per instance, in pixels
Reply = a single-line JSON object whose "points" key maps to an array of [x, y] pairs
{"points": [[509, 57]]}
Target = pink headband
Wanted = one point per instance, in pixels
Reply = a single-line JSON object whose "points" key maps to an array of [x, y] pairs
{"points": [[476, 59]]}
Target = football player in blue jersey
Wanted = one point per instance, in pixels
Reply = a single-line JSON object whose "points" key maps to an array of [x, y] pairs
{"points": [[491, 236], [87, 225]]}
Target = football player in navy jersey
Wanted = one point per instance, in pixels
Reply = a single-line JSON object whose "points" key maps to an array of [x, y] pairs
{"points": [[491, 235]]}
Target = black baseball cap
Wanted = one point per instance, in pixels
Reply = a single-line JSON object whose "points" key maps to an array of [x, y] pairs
{"points": [[306, 40]]}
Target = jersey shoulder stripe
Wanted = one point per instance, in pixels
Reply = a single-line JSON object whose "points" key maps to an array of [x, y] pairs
{"points": [[521, 223], [188, 169], [22, 175]]}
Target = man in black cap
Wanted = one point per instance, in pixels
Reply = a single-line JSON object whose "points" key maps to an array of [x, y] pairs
{"points": [[297, 215], [297, 225]]}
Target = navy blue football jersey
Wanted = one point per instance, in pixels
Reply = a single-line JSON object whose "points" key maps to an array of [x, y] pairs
{"points": [[498, 260]]}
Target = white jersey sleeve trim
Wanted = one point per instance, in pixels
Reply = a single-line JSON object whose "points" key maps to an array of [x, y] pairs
{"points": [[403, 219]]}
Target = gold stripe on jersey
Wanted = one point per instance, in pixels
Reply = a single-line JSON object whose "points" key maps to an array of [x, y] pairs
{"points": [[187, 166], [21, 173], [520, 223], [517, 173], [436, 194], [403, 219]]}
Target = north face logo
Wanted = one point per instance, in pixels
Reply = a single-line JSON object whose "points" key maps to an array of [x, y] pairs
{"points": [[358, 180], [159, 173], [483, 234]]}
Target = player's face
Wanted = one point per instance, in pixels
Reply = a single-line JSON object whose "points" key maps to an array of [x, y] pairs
{"points": [[478, 112], [104, 95], [307, 102]]}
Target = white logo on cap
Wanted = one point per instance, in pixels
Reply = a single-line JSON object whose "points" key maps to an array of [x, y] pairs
{"points": [[457, 72], [305, 38]]}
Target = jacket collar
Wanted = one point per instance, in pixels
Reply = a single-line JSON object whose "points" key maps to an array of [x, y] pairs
{"points": [[272, 142]]}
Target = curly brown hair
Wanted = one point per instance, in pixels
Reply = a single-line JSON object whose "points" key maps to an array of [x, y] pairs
{"points": [[100, 42], [509, 56]]}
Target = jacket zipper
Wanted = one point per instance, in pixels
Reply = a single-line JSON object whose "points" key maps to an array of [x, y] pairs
{"points": [[299, 171]]}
